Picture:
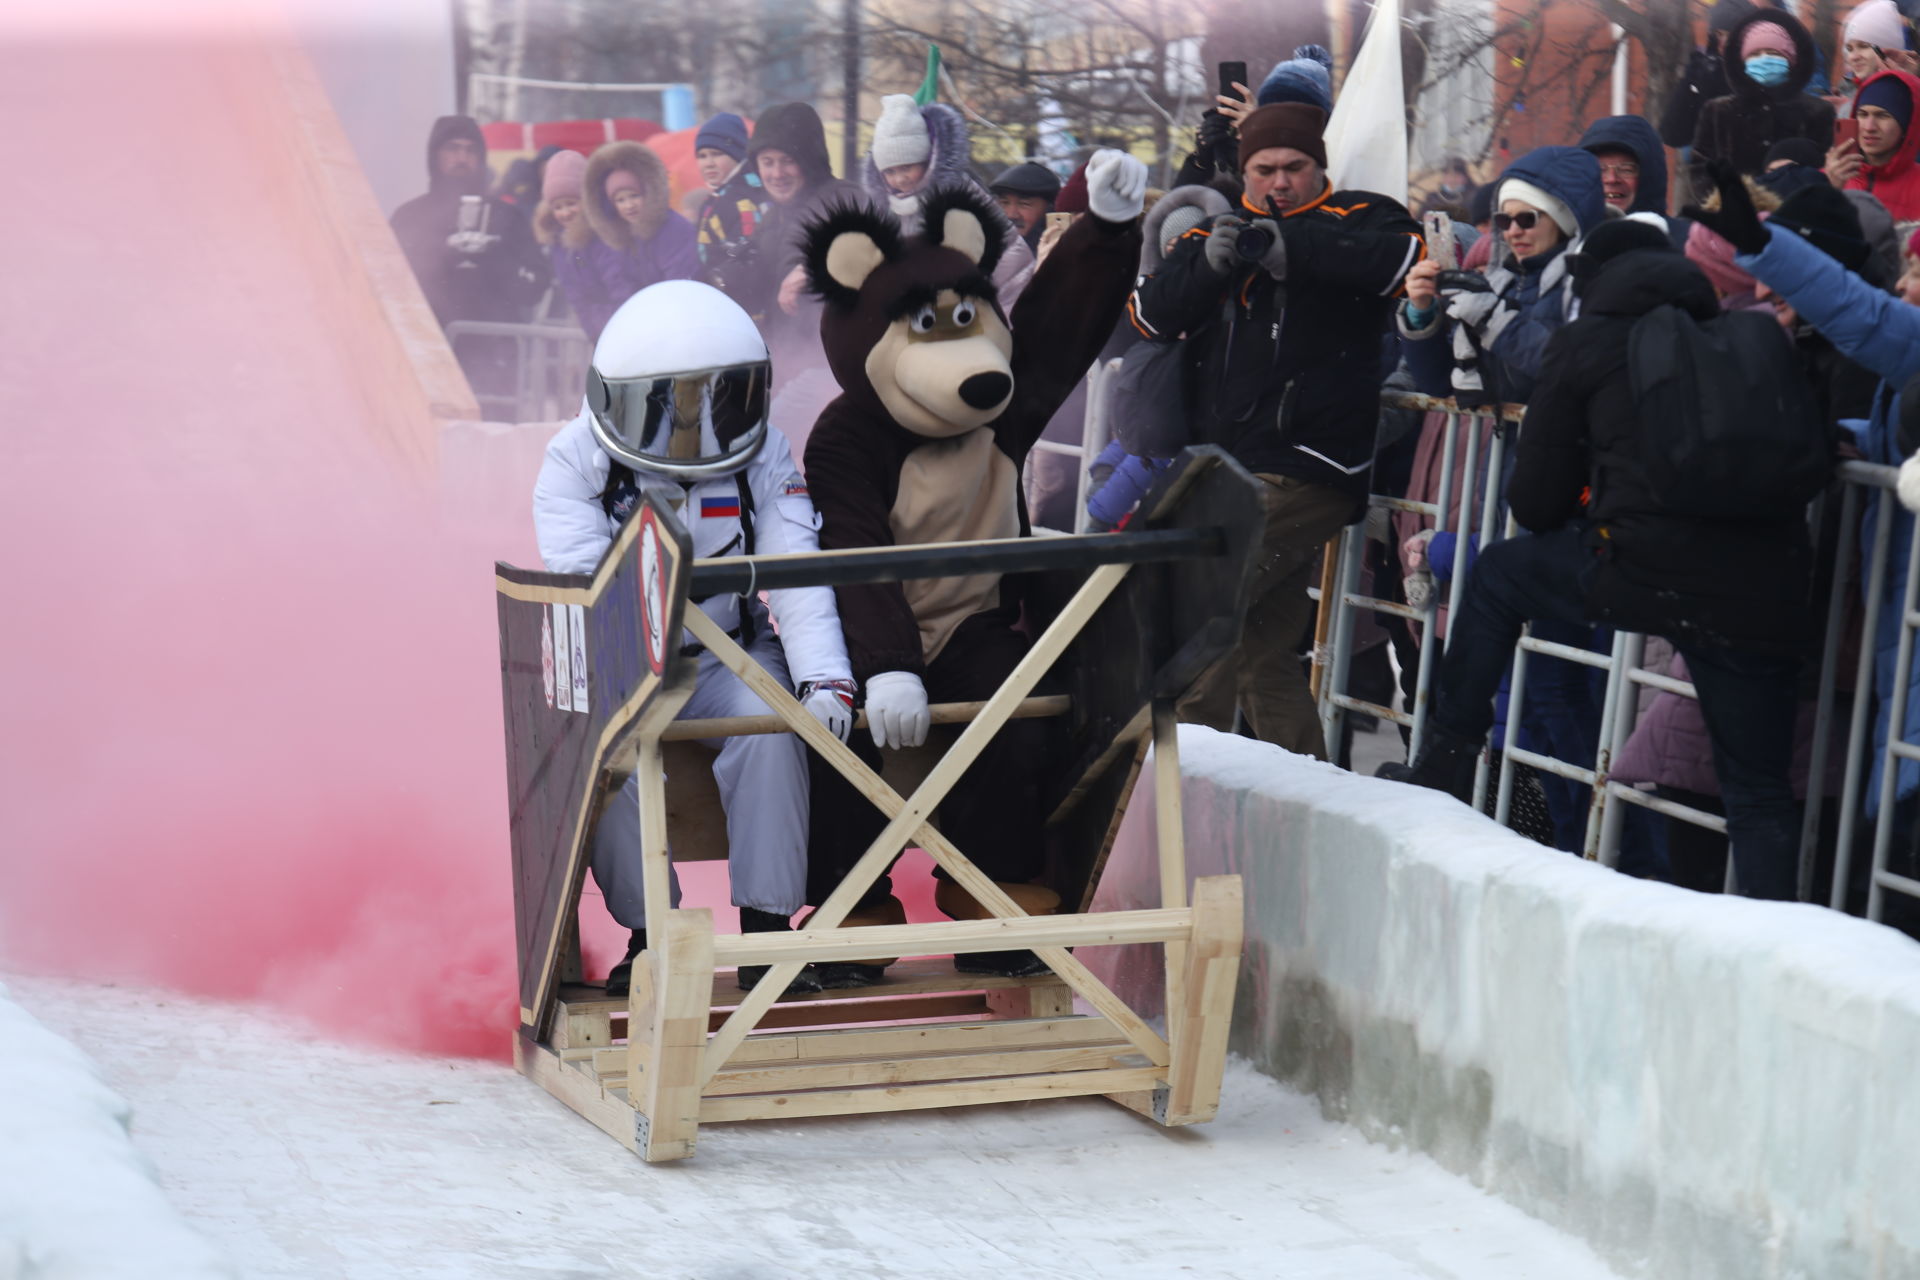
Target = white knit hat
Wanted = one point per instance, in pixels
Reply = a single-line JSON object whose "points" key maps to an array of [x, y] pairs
{"points": [[900, 135], [1546, 202], [1878, 23]]}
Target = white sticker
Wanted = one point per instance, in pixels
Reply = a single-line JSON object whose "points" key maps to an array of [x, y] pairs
{"points": [[546, 654], [562, 660], [577, 629]]}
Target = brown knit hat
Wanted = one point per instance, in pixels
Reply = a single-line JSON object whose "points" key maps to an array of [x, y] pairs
{"points": [[1284, 124]]}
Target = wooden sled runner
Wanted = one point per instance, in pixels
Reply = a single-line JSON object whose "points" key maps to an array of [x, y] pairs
{"points": [[593, 676]]}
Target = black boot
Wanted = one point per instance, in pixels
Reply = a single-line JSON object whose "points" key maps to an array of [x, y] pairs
{"points": [[1445, 763], [620, 977], [756, 921]]}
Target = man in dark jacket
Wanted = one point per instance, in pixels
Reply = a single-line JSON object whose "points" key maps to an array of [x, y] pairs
{"points": [[1770, 58], [1283, 305], [474, 254], [1633, 164], [1731, 597]]}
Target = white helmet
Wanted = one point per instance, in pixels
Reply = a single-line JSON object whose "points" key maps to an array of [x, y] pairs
{"points": [[679, 383]]}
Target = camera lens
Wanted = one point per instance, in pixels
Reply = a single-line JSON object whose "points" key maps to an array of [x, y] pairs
{"points": [[1253, 244]]}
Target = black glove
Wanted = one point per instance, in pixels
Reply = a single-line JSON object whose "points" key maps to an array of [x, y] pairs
{"points": [[1736, 220], [1214, 142]]}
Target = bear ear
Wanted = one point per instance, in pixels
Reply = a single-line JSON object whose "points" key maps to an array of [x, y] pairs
{"points": [[843, 246], [961, 217]]}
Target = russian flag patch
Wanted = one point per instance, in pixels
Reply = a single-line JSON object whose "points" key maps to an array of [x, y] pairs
{"points": [[794, 489], [711, 508]]}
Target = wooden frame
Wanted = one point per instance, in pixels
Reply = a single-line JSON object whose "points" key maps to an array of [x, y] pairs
{"points": [[683, 1048]]}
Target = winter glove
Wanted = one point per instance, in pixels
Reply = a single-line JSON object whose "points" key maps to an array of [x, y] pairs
{"points": [[1736, 220], [831, 703], [1223, 253], [1214, 142], [897, 714], [471, 243], [1116, 186], [1274, 260]]}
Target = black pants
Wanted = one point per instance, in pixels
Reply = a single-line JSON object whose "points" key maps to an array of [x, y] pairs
{"points": [[993, 812], [1747, 699]]}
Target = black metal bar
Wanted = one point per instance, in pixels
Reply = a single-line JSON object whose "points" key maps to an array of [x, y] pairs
{"points": [[737, 574]]}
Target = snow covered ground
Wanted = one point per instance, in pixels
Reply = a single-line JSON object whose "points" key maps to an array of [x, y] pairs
{"points": [[306, 1158]]}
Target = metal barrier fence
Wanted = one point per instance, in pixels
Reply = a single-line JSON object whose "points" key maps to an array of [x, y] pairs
{"points": [[550, 367], [1479, 440]]}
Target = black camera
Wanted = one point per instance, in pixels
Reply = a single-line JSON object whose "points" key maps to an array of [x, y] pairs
{"points": [[1253, 243]]}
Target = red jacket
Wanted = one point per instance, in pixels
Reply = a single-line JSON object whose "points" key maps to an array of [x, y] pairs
{"points": [[1896, 184]]}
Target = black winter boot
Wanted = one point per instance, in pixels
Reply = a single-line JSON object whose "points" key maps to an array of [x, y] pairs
{"points": [[1445, 763], [620, 977], [756, 921]]}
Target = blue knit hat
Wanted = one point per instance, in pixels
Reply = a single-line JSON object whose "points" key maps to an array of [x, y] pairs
{"points": [[1307, 77], [725, 132]]}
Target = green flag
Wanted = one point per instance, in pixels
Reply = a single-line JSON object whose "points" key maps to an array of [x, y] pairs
{"points": [[929, 87]]}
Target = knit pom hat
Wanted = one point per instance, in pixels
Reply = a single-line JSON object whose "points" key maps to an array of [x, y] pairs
{"points": [[900, 135], [1307, 77], [566, 176], [1878, 23], [1713, 254], [1073, 193], [1285, 124], [725, 132], [1768, 37]]}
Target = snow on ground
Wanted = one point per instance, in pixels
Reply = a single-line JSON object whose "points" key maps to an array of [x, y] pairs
{"points": [[313, 1159]]}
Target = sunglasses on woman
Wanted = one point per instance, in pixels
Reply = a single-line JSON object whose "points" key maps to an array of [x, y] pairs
{"points": [[1524, 221]]}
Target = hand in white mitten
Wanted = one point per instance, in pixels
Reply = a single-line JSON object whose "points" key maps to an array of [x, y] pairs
{"points": [[897, 714], [831, 703], [1116, 186], [1908, 485]]}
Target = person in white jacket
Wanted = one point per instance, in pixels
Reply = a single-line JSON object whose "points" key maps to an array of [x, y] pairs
{"points": [[676, 407]]}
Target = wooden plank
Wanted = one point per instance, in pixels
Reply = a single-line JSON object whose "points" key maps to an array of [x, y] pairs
{"points": [[920, 1097], [1172, 858], [959, 1005], [1213, 970], [682, 982], [788, 1078], [1051, 1000], [952, 937], [575, 1028], [1036, 708], [575, 1087], [923, 975]]}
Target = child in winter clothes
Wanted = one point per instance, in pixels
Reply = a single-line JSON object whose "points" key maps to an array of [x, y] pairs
{"points": [[627, 201], [581, 263], [734, 204]]}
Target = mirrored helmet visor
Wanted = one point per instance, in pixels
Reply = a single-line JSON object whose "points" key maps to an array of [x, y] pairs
{"points": [[690, 426]]}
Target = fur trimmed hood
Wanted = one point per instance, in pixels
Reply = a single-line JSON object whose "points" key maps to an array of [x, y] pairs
{"points": [[949, 164], [1210, 203], [547, 230], [637, 159]]}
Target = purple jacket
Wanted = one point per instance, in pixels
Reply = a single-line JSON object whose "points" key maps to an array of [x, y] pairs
{"points": [[582, 276], [672, 254]]}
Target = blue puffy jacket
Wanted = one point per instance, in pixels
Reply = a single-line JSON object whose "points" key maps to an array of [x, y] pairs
{"points": [[1881, 333]]}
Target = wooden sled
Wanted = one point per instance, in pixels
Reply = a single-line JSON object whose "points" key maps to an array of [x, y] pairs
{"points": [[593, 675]]}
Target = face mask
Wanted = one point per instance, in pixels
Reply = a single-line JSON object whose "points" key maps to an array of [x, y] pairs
{"points": [[1767, 69]]}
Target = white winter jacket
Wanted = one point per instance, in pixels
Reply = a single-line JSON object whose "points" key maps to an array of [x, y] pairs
{"points": [[575, 531]]}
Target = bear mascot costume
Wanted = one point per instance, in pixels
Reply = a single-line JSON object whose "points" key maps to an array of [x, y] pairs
{"points": [[942, 397]]}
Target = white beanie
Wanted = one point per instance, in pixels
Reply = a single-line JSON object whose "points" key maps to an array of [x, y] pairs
{"points": [[900, 135], [1551, 205], [1878, 23]]}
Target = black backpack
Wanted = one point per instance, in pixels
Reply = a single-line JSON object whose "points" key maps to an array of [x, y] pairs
{"points": [[1727, 426]]}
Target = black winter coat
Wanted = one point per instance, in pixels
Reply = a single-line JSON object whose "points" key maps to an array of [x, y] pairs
{"points": [[1287, 378], [1694, 581], [1740, 127]]}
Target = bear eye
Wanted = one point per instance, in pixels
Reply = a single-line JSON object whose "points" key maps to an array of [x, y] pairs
{"points": [[923, 320], [963, 314]]}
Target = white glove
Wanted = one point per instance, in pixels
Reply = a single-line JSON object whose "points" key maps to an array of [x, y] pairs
{"points": [[897, 714], [1908, 485], [831, 703], [470, 242], [1116, 186]]}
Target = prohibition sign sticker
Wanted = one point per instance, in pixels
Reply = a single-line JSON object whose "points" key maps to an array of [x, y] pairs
{"points": [[653, 595]]}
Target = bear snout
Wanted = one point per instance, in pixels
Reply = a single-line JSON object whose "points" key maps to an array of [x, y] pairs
{"points": [[985, 390]]}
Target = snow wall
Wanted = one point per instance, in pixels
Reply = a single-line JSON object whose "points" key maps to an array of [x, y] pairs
{"points": [[77, 1202], [1702, 1087]]}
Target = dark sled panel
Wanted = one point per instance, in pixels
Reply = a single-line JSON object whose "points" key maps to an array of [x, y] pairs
{"points": [[624, 621]]}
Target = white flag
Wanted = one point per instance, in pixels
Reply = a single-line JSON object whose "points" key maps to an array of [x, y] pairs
{"points": [[1367, 136]]}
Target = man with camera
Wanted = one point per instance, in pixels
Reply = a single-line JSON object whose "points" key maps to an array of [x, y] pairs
{"points": [[1282, 306]]}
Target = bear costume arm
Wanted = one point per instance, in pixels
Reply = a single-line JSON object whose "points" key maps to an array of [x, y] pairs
{"points": [[1062, 320], [854, 476]]}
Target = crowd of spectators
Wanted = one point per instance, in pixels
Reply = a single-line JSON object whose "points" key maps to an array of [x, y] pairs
{"points": [[1770, 210]]}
